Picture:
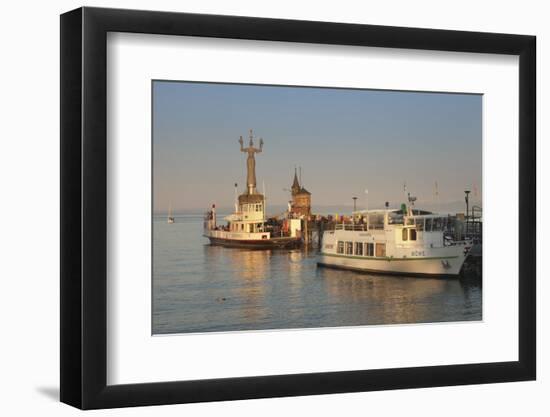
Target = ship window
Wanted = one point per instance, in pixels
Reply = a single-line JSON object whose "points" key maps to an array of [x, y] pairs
{"points": [[394, 218], [381, 250], [376, 221], [349, 248], [437, 224], [420, 224], [340, 248], [404, 235], [242, 226], [410, 221], [428, 227], [412, 234], [359, 248], [369, 251]]}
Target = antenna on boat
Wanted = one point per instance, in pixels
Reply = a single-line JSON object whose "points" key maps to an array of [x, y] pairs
{"points": [[412, 199], [236, 199], [265, 198], [406, 195]]}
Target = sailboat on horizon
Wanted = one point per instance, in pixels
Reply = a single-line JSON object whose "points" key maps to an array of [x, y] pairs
{"points": [[171, 219]]}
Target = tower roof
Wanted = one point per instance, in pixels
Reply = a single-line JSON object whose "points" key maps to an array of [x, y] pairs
{"points": [[295, 184]]}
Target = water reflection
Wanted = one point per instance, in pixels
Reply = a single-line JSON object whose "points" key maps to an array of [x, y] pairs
{"points": [[198, 288], [392, 299], [248, 269]]}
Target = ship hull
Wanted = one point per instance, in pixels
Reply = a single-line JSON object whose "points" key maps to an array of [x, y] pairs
{"points": [[422, 267], [275, 243]]}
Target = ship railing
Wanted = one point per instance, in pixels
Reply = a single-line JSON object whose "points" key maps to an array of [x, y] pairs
{"points": [[351, 226]]}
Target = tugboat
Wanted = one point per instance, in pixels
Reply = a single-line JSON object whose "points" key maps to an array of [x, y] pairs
{"points": [[247, 226], [406, 241]]}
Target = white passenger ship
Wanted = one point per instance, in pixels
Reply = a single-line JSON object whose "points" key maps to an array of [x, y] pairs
{"points": [[387, 241]]}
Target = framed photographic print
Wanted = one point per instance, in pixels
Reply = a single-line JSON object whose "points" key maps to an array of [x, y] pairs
{"points": [[258, 207]]}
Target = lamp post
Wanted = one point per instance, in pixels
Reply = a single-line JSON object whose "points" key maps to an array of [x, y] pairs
{"points": [[354, 203], [467, 199]]}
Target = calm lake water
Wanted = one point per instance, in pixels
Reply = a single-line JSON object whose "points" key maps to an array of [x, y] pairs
{"points": [[203, 288]]}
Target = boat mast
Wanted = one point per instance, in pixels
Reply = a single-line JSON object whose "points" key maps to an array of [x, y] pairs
{"points": [[236, 199], [265, 205]]}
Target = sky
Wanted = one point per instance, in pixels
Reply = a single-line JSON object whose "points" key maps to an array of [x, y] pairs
{"points": [[346, 141]]}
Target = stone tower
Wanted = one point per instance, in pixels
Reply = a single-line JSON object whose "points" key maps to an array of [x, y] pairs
{"points": [[301, 198]]}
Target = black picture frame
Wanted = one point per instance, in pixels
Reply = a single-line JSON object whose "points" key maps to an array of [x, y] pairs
{"points": [[84, 207]]}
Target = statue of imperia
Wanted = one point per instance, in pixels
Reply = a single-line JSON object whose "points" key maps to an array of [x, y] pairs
{"points": [[251, 163]]}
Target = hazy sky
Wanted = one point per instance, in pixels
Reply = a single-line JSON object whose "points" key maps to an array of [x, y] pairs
{"points": [[345, 140]]}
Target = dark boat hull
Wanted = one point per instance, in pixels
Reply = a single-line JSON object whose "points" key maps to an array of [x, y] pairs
{"points": [[275, 243]]}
